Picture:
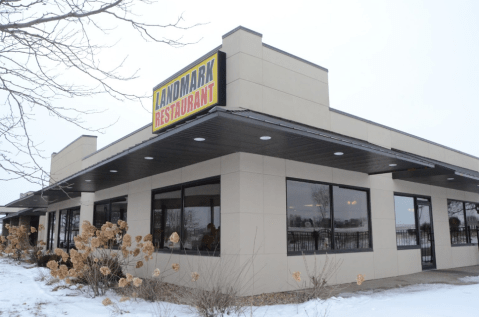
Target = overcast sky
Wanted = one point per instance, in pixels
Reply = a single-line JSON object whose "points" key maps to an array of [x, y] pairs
{"points": [[410, 65]]}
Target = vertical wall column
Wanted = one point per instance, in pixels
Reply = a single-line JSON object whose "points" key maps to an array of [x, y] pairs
{"points": [[86, 209]]}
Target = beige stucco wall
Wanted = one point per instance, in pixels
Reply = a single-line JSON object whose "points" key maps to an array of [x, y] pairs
{"points": [[69, 160], [253, 217]]}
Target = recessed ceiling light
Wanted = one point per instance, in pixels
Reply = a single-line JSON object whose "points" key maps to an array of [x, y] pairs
{"points": [[338, 153], [113, 171], [148, 157], [450, 179], [199, 139], [392, 165], [265, 138], [87, 180]]}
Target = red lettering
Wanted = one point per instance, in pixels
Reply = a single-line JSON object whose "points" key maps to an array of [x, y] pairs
{"points": [[162, 115], [204, 96], [172, 110], [177, 109], [210, 87], [167, 113], [183, 106], [157, 119], [197, 100], [190, 103]]}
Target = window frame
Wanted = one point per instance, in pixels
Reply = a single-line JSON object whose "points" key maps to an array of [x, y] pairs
{"points": [[331, 199], [464, 202], [181, 187], [416, 219], [109, 201], [68, 226]]}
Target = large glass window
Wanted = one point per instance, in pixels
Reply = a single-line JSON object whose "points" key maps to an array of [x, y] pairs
{"points": [[463, 221], [406, 225], [192, 211], [69, 227], [318, 223], [51, 230], [110, 210]]}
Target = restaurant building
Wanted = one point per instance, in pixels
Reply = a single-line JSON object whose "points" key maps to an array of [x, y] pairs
{"points": [[245, 156]]}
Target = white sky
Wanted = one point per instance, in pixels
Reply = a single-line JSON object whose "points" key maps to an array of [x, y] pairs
{"points": [[410, 65]]}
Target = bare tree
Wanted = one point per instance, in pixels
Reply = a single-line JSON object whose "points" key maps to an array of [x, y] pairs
{"points": [[43, 44]]}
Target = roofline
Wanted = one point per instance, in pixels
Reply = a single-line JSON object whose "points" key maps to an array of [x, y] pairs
{"points": [[213, 51], [115, 142], [295, 57], [241, 28], [402, 132], [81, 136]]}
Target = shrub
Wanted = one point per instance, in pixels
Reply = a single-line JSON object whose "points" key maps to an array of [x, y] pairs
{"points": [[17, 243], [101, 257]]}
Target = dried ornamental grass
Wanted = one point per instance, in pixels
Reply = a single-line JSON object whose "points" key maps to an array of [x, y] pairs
{"points": [[175, 238], [360, 279], [297, 276], [127, 240], [124, 299], [137, 281], [122, 282], [194, 276], [148, 237], [105, 270], [106, 301], [175, 267]]}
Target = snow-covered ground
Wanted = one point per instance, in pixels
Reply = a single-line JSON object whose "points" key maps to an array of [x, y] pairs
{"points": [[23, 294]]}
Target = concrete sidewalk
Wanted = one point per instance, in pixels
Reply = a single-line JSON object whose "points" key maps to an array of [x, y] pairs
{"points": [[449, 276]]}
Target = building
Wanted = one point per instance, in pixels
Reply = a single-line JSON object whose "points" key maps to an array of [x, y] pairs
{"points": [[248, 159]]}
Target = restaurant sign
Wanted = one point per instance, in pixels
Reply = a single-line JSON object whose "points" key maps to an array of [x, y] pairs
{"points": [[192, 92]]}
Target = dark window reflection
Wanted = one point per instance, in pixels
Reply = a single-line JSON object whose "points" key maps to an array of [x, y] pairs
{"points": [[309, 216], [351, 221], [166, 218], [406, 229], [191, 211], [69, 227], [463, 222], [51, 231], [201, 217], [110, 211]]}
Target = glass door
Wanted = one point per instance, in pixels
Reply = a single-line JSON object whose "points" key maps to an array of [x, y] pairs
{"points": [[69, 227], [426, 233]]}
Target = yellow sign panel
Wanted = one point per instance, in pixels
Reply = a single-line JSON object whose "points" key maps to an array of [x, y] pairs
{"points": [[198, 88]]}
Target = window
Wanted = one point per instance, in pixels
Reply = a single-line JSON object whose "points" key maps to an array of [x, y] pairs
{"points": [[463, 221], [406, 225], [69, 227], [318, 223], [110, 210], [192, 211], [51, 231]]}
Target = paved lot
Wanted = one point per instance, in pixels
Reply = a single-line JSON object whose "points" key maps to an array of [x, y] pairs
{"points": [[449, 276]]}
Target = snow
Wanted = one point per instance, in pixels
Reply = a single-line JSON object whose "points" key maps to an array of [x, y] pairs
{"points": [[23, 294]]}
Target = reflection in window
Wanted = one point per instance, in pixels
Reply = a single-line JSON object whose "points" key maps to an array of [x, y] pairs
{"points": [[51, 231], [463, 221], [191, 211], [110, 211], [166, 218], [351, 221], [309, 216], [406, 228], [69, 227], [310, 213]]}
